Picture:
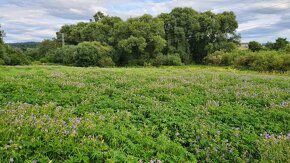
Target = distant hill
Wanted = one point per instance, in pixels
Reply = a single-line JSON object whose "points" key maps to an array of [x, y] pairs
{"points": [[24, 45]]}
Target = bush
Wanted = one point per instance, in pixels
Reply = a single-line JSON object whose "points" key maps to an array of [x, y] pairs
{"points": [[260, 61], [106, 62], [85, 54], [12, 56], [287, 49], [255, 46], [2, 62], [65, 55], [167, 60], [32, 52]]}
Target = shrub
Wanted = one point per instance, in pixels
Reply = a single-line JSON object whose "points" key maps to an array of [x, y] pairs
{"points": [[167, 60], [2, 62], [90, 53], [255, 46], [65, 55], [12, 56], [260, 61], [83, 55], [33, 53], [287, 49], [106, 62]]}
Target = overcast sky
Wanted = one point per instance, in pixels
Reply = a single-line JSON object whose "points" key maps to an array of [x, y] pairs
{"points": [[35, 20]]}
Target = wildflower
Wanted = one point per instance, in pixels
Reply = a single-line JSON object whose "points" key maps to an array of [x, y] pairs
{"points": [[10, 141], [66, 132], [197, 150], [102, 117], [158, 161], [288, 136], [140, 161], [78, 121], [11, 160], [34, 161], [177, 134], [267, 136], [215, 150], [279, 137], [231, 151], [152, 161]]}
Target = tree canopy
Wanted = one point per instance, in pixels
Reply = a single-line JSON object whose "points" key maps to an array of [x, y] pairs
{"points": [[183, 32]]}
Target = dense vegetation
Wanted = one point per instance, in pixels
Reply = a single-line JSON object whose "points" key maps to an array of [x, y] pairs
{"points": [[244, 59], [183, 114], [12, 56], [180, 37], [183, 33]]}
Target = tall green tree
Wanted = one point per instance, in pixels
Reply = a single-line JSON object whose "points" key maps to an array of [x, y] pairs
{"points": [[99, 16], [280, 43], [194, 35]]}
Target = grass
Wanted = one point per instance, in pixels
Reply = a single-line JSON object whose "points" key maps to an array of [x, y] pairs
{"points": [[169, 114]]}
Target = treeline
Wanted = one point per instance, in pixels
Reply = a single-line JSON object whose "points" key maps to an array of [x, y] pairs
{"points": [[279, 45], [182, 36], [12, 56], [24, 45]]}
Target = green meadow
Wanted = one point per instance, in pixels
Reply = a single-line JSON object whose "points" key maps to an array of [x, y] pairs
{"points": [[168, 114]]}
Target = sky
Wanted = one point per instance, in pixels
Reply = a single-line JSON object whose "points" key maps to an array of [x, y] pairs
{"points": [[35, 20]]}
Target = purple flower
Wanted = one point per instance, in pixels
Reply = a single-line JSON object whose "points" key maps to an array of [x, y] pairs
{"points": [[78, 121], [267, 136], [288, 136], [140, 161], [34, 161], [152, 161], [158, 161], [66, 132], [11, 160], [231, 151]]}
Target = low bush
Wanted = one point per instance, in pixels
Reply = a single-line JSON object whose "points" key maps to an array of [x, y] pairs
{"points": [[167, 60], [12, 56], [260, 61], [85, 54]]}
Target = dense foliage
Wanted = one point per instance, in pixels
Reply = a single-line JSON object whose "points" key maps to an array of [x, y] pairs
{"points": [[84, 54], [280, 44], [12, 56], [189, 114], [255, 46], [261, 61], [183, 33]]}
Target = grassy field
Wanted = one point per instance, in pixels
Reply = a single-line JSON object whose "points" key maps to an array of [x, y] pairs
{"points": [[170, 114]]}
